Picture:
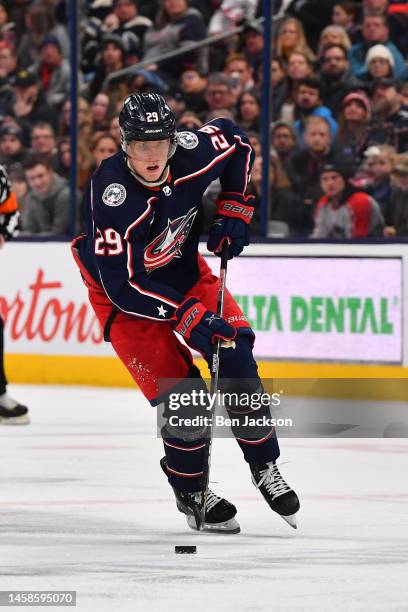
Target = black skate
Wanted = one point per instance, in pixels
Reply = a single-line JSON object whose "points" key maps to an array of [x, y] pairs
{"points": [[278, 494], [219, 516], [11, 412]]}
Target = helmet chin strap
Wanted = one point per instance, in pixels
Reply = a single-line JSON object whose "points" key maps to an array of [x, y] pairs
{"points": [[160, 181]]}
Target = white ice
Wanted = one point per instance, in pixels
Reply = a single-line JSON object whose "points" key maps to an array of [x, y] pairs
{"points": [[84, 506]]}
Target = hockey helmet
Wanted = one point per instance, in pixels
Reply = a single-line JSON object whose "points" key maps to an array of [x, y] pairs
{"points": [[146, 116]]}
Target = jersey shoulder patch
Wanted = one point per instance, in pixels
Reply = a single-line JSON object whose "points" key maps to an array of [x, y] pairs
{"points": [[114, 194], [187, 140]]}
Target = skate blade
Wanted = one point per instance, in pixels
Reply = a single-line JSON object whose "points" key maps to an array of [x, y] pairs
{"points": [[230, 526], [291, 520], [20, 420]]}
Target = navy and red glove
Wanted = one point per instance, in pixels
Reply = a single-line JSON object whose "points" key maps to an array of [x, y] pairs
{"points": [[200, 327], [231, 222]]}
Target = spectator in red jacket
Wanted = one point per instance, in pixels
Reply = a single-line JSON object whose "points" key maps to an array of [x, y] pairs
{"points": [[343, 212]]}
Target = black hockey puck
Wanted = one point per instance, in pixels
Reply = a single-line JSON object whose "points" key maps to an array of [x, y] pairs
{"points": [[185, 550]]}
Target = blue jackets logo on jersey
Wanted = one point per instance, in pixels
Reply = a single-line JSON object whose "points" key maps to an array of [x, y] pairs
{"points": [[167, 245], [114, 194]]}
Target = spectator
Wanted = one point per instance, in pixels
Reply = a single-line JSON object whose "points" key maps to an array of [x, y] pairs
{"points": [[44, 141], [131, 26], [379, 63], [390, 122], [53, 71], [12, 148], [238, 68], [100, 112], [8, 61], [175, 25], [219, 93], [27, 104], [47, 202], [283, 140], [253, 44], [39, 23], [303, 170], [353, 134], [375, 31], [308, 103], [314, 15], [278, 79], [19, 184], [397, 214], [380, 161], [397, 15], [230, 14], [345, 14], [7, 28], [291, 38], [249, 111], [337, 79], [282, 202], [103, 148], [343, 212], [189, 121], [299, 66], [145, 81], [193, 85], [114, 130], [333, 35], [112, 59], [63, 158], [255, 142], [85, 119]]}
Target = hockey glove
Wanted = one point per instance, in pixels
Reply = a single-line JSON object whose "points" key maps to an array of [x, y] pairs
{"points": [[199, 326], [231, 222]]}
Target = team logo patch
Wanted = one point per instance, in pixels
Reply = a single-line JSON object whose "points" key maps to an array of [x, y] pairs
{"points": [[167, 245], [188, 140], [114, 195]]}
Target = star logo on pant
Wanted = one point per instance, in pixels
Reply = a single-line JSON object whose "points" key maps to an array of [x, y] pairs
{"points": [[162, 311]]}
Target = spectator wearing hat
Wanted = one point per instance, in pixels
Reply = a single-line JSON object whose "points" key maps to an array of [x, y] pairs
{"points": [[342, 211], [336, 76], [379, 63], [53, 71], [303, 169], [396, 218], [283, 140], [12, 149], [354, 120], [380, 161], [375, 31], [253, 44], [193, 85], [112, 59], [46, 211], [28, 105], [132, 26], [390, 121], [176, 24], [308, 103]]}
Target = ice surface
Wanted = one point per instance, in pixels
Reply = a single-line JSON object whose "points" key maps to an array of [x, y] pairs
{"points": [[84, 506]]}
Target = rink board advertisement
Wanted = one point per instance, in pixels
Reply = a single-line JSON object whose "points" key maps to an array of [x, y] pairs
{"points": [[301, 308]]}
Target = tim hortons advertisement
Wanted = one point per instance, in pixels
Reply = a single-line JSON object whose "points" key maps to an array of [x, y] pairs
{"points": [[315, 308]]}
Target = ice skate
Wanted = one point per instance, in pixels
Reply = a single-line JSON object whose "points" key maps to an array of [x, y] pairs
{"points": [[278, 494], [220, 513], [11, 412]]}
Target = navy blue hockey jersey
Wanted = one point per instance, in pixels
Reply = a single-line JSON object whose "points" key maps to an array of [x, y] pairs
{"points": [[142, 242]]}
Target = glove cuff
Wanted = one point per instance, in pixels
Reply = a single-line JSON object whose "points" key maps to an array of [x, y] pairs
{"points": [[235, 205], [187, 316]]}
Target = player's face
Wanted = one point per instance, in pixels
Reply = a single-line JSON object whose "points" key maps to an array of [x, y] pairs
{"points": [[148, 158]]}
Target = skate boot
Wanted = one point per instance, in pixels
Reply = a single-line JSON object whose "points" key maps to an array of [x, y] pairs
{"points": [[11, 412], [278, 494], [219, 516]]}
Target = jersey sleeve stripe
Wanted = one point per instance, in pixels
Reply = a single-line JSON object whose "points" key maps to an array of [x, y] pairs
{"points": [[207, 167]]}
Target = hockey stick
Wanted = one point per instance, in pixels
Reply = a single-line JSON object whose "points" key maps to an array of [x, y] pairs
{"points": [[215, 367]]}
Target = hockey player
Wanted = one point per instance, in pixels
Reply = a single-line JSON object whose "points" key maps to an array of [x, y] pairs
{"points": [[146, 281], [11, 411]]}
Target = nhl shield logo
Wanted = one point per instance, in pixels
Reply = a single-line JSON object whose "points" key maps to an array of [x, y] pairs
{"points": [[114, 195], [167, 190], [188, 140]]}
